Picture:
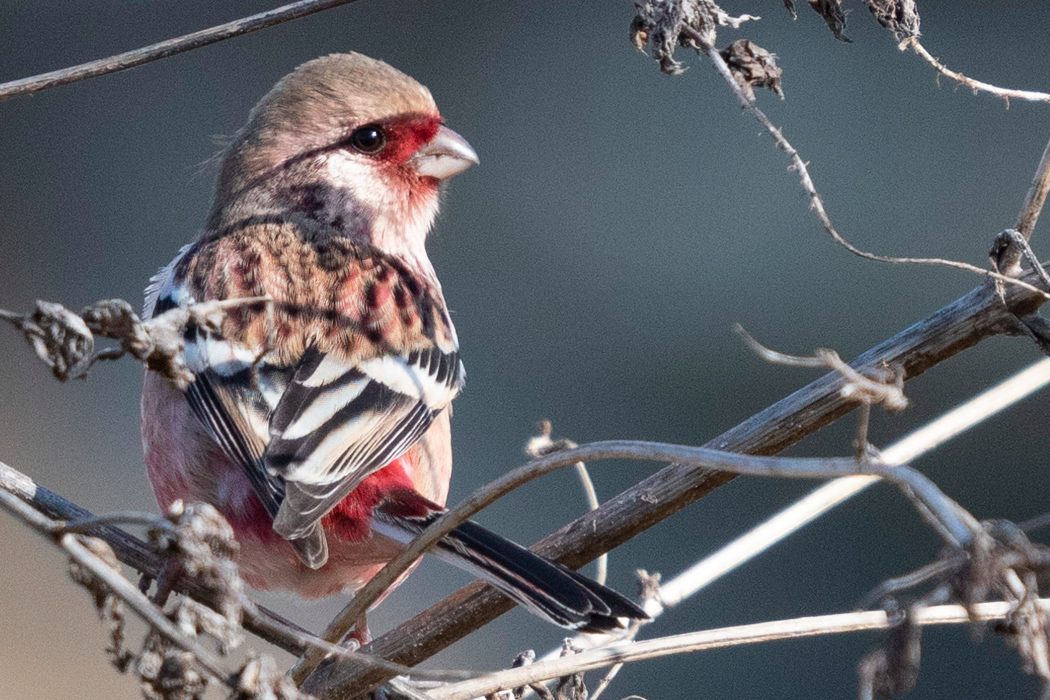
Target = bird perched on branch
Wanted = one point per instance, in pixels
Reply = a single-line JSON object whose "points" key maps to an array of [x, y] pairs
{"points": [[318, 421]]}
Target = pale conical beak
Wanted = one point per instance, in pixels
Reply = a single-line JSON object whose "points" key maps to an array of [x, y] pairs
{"points": [[445, 155]]}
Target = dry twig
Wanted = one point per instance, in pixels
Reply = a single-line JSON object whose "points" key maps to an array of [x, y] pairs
{"points": [[953, 523], [47, 508], [627, 652], [164, 49], [542, 444], [1007, 94]]}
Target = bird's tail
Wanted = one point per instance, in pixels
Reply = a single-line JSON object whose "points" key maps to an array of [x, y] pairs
{"points": [[547, 588]]}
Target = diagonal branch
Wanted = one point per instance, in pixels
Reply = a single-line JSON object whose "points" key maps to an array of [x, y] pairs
{"points": [[817, 202], [786, 522], [116, 583], [954, 328], [957, 526], [1036, 197], [164, 49], [46, 507]]}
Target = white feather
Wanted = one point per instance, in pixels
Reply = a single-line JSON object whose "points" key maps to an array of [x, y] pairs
{"points": [[323, 406], [162, 285], [317, 467], [410, 380]]}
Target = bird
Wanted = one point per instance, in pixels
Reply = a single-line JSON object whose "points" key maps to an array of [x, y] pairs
{"points": [[317, 420]]}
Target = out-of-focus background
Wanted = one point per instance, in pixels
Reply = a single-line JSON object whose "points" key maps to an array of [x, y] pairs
{"points": [[620, 222]]}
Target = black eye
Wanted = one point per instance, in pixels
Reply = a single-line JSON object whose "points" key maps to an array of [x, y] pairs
{"points": [[368, 139]]}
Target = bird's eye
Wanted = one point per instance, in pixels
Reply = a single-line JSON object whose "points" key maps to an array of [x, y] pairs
{"points": [[368, 139]]}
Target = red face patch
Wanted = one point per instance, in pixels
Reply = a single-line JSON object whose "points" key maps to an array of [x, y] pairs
{"points": [[405, 135]]}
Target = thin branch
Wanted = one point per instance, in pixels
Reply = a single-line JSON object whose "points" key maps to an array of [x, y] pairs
{"points": [[542, 444], [601, 572], [785, 523], [817, 202], [627, 652], [960, 325], [1019, 248], [975, 85], [807, 509], [116, 583], [950, 520], [54, 512], [863, 389], [164, 49], [1036, 197]]}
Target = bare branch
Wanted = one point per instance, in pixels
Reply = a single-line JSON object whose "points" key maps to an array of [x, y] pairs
{"points": [[817, 202], [807, 509], [164, 49], [627, 652], [65, 341], [954, 328], [542, 444], [953, 523], [48, 509], [1036, 196], [119, 585], [889, 393], [975, 85], [782, 525]]}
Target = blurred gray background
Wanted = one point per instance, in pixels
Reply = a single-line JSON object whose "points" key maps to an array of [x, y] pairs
{"points": [[620, 222]]}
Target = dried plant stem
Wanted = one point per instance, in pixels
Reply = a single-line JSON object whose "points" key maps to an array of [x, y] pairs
{"points": [[601, 573], [627, 652], [817, 202], [958, 526], [975, 85], [120, 586], [167, 48], [50, 510], [1036, 197], [822, 499], [779, 527]]}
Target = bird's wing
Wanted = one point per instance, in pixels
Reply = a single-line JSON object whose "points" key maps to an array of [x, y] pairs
{"points": [[338, 422], [230, 396], [307, 427]]}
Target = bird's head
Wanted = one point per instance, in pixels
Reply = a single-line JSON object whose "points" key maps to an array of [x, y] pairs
{"points": [[346, 142]]}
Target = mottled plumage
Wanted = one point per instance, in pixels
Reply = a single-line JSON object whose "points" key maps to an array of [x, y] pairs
{"points": [[318, 420]]}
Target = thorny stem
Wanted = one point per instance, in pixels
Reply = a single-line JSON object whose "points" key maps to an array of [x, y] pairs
{"points": [[164, 49]]}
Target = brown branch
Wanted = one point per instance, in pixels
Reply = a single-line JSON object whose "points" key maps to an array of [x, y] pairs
{"points": [[945, 515], [164, 49], [691, 642], [50, 507], [954, 328]]}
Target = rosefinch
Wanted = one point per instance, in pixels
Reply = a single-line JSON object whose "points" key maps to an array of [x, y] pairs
{"points": [[318, 422]]}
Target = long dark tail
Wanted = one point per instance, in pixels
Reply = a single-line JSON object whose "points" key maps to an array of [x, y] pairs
{"points": [[547, 588]]}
